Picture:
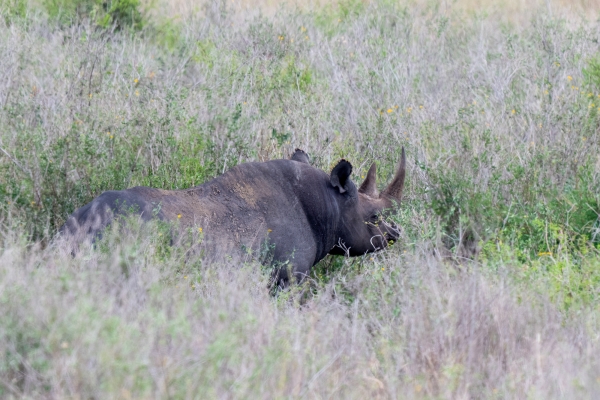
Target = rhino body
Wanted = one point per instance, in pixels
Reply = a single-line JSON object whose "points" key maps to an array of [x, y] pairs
{"points": [[297, 211]]}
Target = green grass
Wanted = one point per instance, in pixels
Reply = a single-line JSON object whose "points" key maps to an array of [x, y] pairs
{"points": [[492, 291]]}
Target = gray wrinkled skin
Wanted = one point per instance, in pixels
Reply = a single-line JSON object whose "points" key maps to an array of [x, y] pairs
{"points": [[297, 211]]}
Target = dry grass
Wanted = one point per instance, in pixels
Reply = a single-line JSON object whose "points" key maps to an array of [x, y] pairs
{"points": [[492, 292], [513, 11], [417, 328]]}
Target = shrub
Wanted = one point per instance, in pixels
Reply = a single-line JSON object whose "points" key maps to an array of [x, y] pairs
{"points": [[118, 13]]}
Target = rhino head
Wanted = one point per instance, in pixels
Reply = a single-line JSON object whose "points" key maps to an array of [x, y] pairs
{"points": [[363, 227]]}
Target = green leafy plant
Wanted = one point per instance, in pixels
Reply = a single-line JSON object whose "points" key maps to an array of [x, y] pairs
{"points": [[118, 13]]}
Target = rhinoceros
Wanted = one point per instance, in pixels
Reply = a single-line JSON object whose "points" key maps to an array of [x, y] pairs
{"points": [[297, 211]]}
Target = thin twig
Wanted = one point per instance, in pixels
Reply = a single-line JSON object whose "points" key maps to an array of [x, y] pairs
{"points": [[13, 160]]}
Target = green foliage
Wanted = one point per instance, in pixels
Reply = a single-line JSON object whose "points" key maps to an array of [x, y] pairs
{"points": [[167, 33], [13, 10], [332, 17], [123, 13], [591, 73], [120, 13]]}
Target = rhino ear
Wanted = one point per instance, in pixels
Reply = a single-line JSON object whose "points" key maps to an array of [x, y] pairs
{"points": [[300, 156], [340, 174], [369, 185], [394, 189]]}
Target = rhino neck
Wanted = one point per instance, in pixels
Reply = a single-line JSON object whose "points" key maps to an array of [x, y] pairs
{"points": [[321, 209]]}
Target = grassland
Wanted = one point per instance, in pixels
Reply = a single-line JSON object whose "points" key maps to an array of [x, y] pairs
{"points": [[492, 292]]}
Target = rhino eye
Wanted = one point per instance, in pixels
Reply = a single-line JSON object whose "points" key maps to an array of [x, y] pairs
{"points": [[374, 217]]}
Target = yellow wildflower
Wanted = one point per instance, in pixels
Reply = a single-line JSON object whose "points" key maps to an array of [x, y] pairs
{"points": [[178, 215], [569, 78], [389, 111]]}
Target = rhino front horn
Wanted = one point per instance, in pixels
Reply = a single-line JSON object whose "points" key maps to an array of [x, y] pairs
{"points": [[394, 189]]}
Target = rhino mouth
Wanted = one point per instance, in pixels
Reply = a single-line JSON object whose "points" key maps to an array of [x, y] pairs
{"points": [[385, 238], [392, 231]]}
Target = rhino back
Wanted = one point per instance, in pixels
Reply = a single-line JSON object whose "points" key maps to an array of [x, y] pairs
{"points": [[255, 201], [283, 201], [91, 219]]}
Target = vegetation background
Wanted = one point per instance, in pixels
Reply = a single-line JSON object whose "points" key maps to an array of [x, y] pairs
{"points": [[493, 290]]}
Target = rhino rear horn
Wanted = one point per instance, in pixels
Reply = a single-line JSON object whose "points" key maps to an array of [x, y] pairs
{"points": [[340, 174], [369, 185], [300, 156], [394, 189]]}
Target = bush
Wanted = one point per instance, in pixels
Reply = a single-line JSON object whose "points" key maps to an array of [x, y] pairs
{"points": [[118, 13]]}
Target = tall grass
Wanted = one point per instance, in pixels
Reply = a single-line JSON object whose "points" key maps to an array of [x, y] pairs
{"points": [[416, 328], [491, 292]]}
